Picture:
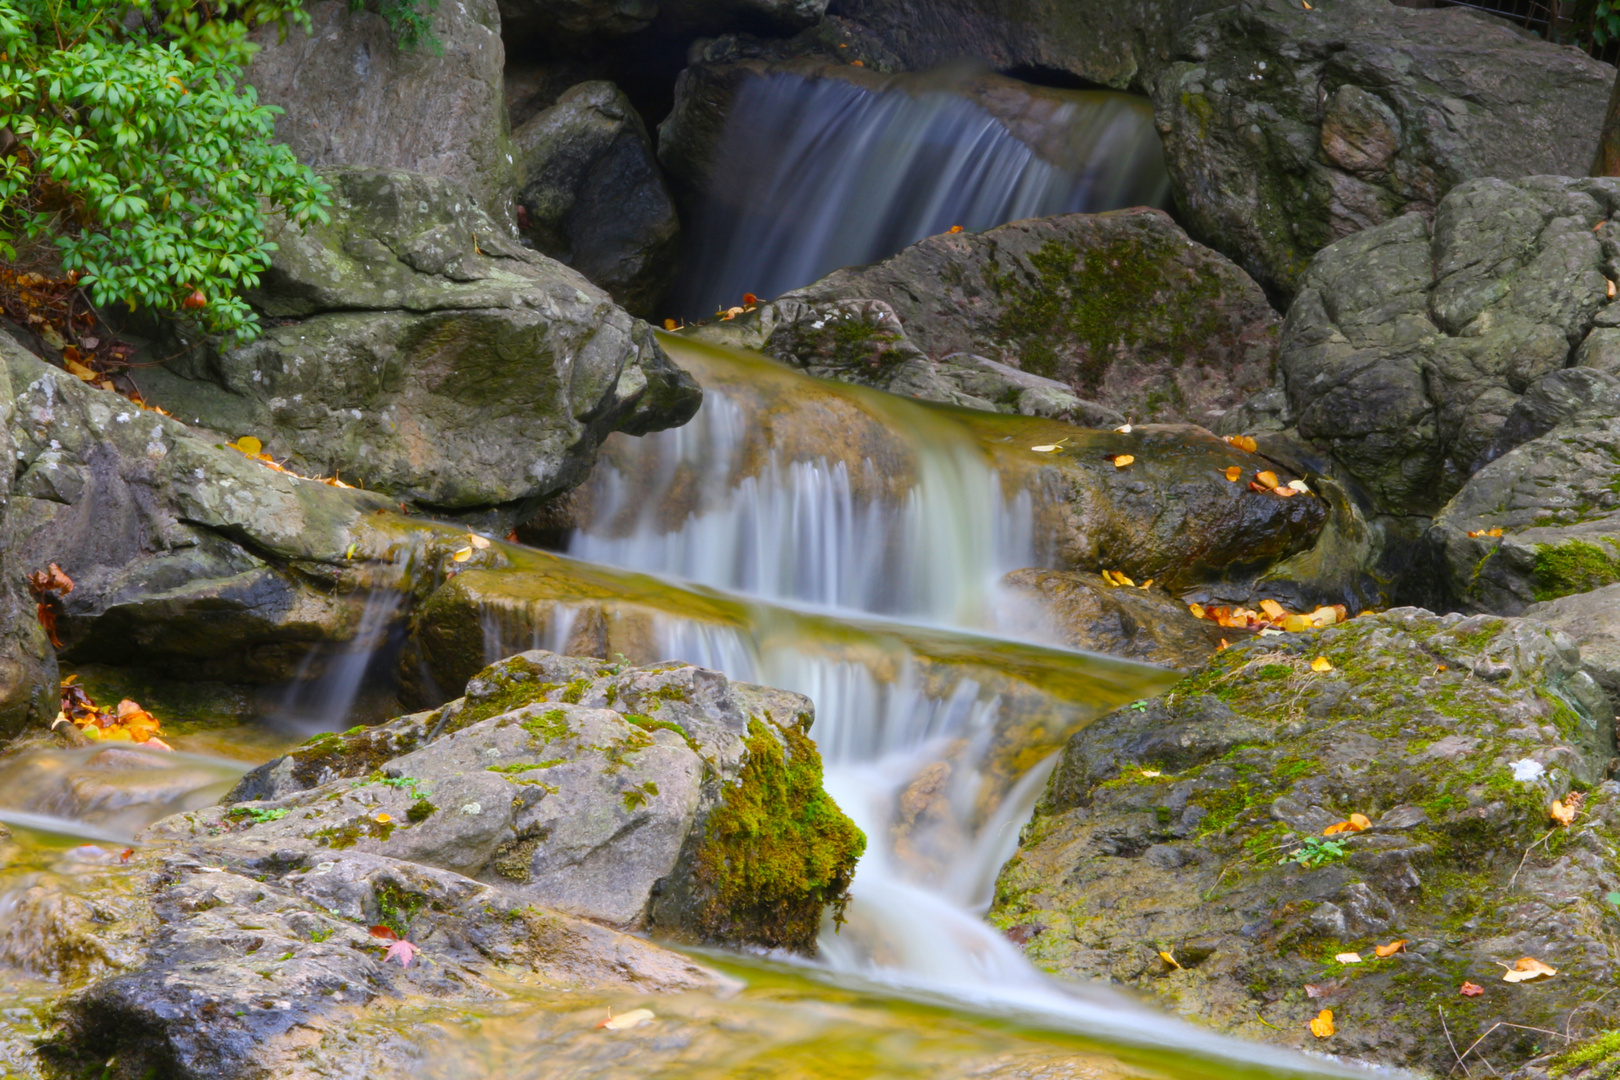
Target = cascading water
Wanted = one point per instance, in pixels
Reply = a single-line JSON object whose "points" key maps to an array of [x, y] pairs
{"points": [[814, 174]]}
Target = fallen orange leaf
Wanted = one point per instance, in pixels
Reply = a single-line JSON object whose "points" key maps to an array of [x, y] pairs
{"points": [[1197, 610], [1233, 473], [1122, 460], [1266, 478], [669, 324], [1322, 1026], [1321, 664], [1562, 813], [1167, 958], [1528, 969], [1469, 989], [1243, 442], [1356, 823], [1284, 492], [1382, 951]]}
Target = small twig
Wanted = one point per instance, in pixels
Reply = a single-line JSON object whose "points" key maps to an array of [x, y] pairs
{"points": [[1504, 1023], [1527, 852], [1571, 1017], [1451, 1044]]}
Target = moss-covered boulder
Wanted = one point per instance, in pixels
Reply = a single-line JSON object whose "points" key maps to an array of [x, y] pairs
{"points": [[1540, 523], [1180, 845], [662, 798], [1120, 307], [415, 348]]}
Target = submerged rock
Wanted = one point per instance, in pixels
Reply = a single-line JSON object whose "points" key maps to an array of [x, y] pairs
{"points": [[662, 798], [1408, 349], [1121, 308], [1191, 827], [414, 348], [1287, 127], [1086, 612], [592, 195], [351, 94]]}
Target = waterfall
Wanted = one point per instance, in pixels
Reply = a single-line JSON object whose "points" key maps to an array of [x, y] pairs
{"points": [[814, 174]]}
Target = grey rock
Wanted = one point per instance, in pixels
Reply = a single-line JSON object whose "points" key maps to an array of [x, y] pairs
{"points": [[1287, 128], [575, 21], [592, 195], [186, 556], [1240, 781], [1405, 353], [1120, 307], [563, 782], [1578, 393], [415, 348], [28, 672], [353, 96], [1592, 622], [1554, 500]]}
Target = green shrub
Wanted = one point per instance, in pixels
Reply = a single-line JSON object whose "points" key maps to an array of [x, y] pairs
{"points": [[128, 144]]}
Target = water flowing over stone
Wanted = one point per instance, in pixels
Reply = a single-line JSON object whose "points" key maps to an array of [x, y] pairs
{"points": [[817, 174]]}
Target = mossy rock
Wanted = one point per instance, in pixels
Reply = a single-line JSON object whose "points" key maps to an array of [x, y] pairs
{"points": [[1192, 825]]}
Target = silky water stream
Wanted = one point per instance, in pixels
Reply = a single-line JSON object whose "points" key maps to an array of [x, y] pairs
{"points": [[814, 536]]}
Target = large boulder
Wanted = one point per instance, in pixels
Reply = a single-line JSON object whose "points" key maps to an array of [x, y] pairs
{"points": [[591, 195], [413, 347], [1179, 847], [1288, 127], [1539, 523], [186, 556], [663, 797], [1121, 307], [351, 94], [1408, 347], [27, 662], [1592, 621]]}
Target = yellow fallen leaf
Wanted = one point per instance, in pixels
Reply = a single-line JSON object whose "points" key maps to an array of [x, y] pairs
{"points": [[1391, 949], [1611, 290], [75, 368], [1049, 448], [1299, 486], [1122, 460], [463, 555], [1296, 624], [633, 1018], [1121, 579], [1356, 823], [1360, 821], [1197, 610], [1266, 478], [1324, 616], [383, 819], [1562, 813], [1234, 473], [1322, 1026], [669, 324], [1348, 958], [1321, 663], [1167, 958], [1148, 584], [1151, 772], [477, 541], [1272, 609], [1528, 969], [249, 445]]}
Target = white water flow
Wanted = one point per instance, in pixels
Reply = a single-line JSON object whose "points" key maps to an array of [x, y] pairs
{"points": [[747, 500], [814, 174]]}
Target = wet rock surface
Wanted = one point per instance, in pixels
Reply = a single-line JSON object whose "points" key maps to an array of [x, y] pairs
{"points": [[353, 95], [416, 349], [593, 197], [1086, 612], [1409, 348], [1163, 827], [1287, 128], [1121, 307], [621, 795]]}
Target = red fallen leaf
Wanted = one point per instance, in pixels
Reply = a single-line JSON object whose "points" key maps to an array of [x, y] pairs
{"points": [[123, 858], [50, 580], [384, 933], [749, 299], [1469, 989], [47, 619], [403, 951], [511, 537], [1256, 487]]}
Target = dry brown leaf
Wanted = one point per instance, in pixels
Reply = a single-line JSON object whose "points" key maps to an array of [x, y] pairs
{"points": [[1469, 989], [1234, 473], [1348, 958], [1528, 969], [1321, 664], [1322, 1026], [477, 541], [1322, 990], [1382, 951]]}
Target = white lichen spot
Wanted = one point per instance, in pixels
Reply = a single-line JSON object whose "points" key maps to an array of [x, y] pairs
{"points": [[1527, 769], [472, 809], [122, 418]]}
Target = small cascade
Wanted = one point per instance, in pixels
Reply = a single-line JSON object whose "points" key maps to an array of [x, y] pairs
{"points": [[783, 517], [814, 174], [326, 692]]}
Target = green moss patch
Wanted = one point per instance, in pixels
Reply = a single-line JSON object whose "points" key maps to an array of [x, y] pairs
{"points": [[778, 850], [1574, 566]]}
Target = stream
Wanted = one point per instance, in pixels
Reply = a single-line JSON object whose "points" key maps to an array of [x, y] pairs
{"points": [[818, 537]]}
